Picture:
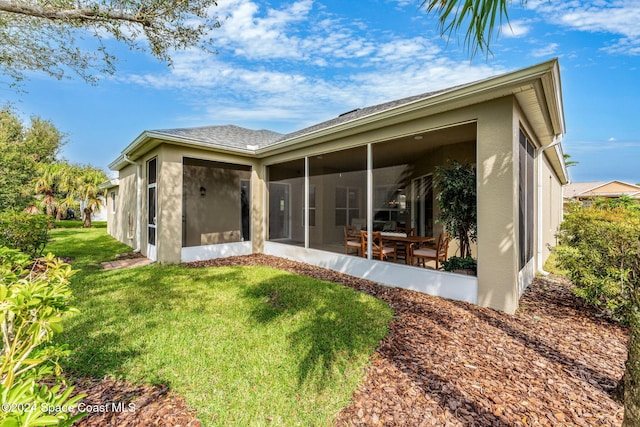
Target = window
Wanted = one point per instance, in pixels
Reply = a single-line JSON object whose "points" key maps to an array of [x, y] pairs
{"points": [[113, 202], [526, 197], [347, 205], [152, 186]]}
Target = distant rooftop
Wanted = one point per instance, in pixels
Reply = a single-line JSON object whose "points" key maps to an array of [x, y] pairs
{"points": [[600, 188]]}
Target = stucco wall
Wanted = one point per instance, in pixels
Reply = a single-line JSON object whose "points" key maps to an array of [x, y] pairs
{"points": [[498, 205], [123, 224], [551, 207]]}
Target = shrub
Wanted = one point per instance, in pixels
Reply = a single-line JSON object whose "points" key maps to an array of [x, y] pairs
{"points": [[25, 232], [459, 263], [599, 250], [34, 301]]}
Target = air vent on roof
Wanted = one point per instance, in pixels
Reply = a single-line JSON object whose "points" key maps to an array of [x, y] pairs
{"points": [[348, 112]]}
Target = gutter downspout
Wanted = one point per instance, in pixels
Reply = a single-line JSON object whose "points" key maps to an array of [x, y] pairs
{"points": [[556, 141], [138, 200]]}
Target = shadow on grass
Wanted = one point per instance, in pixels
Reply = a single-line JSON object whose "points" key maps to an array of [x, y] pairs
{"points": [[120, 306], [337, 324]]}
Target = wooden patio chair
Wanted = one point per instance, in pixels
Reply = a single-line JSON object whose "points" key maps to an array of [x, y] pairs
{"points": [[378, 250], [352, 240], [437, 254], [402, 249]]}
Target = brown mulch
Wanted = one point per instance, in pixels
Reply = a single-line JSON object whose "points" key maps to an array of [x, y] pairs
{"points": [[118, 403], [449, 363]]}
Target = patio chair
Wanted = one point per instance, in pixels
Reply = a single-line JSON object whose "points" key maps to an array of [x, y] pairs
{"points": [[378, 250], [440, 253], [402, 249], [352, 241]]}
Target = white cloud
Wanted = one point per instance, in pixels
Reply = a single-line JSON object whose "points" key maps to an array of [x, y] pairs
{"points": [[252, 35], [612, 139], [515, 29], [616, 17], [297, 65], [547, 50]]}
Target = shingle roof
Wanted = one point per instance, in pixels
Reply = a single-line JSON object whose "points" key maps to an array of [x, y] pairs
{"points": [[239, 137], [360, 112], [227, 135]]}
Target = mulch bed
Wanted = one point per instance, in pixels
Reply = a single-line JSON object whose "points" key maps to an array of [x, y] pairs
{"points": [[118, 403], [449, 363]]}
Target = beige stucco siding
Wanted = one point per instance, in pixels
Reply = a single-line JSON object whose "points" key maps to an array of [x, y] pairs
{"points": [[551, 207], [498, 205], [123, 224]]}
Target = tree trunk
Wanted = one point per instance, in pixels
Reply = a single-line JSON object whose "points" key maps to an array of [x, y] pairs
{"points": [[464, 242], [87, 218], [631, 376]]}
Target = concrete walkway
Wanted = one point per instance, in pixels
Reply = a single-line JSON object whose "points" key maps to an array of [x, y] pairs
{"points": [[126, 263]]}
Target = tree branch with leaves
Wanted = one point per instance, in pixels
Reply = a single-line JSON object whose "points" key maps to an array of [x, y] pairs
{"points": [[40, 35]]}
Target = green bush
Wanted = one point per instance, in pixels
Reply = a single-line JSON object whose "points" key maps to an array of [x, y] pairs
{"points": [[599, 249], [25, 232], [459, 263], [34, 300]]}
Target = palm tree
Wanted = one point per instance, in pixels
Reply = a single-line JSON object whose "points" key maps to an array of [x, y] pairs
{"points": [[87, 190], [48, 183], [480, 18]]}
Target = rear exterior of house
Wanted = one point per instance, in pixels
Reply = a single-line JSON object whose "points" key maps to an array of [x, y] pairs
{"points": [[202, 193]]}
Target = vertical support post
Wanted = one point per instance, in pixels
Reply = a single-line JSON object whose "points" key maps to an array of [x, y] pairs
{"points": [[306, 202], [369, 197]]}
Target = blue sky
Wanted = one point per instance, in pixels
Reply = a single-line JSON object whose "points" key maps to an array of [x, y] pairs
{"points": [[283, 65]]}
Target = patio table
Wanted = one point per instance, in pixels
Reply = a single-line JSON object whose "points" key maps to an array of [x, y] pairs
{"points": [[407, 241]]}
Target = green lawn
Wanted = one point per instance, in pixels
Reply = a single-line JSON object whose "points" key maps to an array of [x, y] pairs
{"points": [[243, 345]]}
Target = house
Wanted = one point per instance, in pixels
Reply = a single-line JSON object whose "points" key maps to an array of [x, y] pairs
{"points": [[216, 191], [586, 192]]}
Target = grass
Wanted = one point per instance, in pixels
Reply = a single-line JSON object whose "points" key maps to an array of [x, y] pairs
{"points": [[76, 223], [243, 345]]}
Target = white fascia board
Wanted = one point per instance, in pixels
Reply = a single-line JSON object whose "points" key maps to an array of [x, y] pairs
{"points": [[115, 182], [118, 163]]}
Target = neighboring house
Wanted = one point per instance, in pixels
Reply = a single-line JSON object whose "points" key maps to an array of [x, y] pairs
{"points": [[216, 191], [110, 188], [586, 192]]}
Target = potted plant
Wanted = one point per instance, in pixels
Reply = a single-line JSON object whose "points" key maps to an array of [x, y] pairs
{"points": [[456, 264], [456, 186]]}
